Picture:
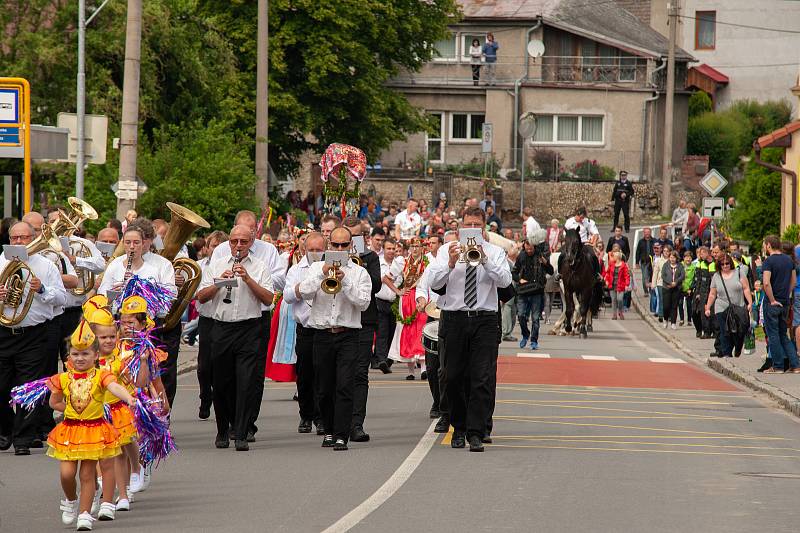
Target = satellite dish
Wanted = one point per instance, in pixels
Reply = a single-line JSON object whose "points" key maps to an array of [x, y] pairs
{"points": [[527, 125], [535, 48]]}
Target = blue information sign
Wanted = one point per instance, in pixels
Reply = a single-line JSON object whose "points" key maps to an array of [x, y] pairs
{"points": [[9, 136]]}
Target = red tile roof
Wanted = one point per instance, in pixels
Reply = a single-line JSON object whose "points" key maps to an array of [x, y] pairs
{"points": [[712, 73], [769, 139]]}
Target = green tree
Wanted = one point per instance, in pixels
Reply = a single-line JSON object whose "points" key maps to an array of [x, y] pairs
{"points": [[763, 117], [699, 103], [758, 211], [721, 136]]}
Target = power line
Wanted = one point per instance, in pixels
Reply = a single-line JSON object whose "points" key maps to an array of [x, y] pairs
{"points": [[795, 64], [763, 28]]}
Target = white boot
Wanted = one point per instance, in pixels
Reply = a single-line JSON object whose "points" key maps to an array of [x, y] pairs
{"points": [[106, 512], [69, 510], [84, 522]]}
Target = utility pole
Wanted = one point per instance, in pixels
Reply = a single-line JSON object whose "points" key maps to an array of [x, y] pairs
{"points": [[262, 103], [80, 111], [129, 133], [666, 191]]}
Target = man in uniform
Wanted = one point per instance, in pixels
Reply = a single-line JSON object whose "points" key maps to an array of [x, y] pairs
{"points": [[621, 196]]}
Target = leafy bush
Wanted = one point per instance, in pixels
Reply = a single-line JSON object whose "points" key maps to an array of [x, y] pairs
{"points": [[721, 136], [591, 169], [758, 195], [547, 162], [763, 117], [791, 233], [478, 167], [699, 103]]}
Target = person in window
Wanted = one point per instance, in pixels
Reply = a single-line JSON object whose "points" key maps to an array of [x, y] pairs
{"points": [[475, 57], [490, 56]]}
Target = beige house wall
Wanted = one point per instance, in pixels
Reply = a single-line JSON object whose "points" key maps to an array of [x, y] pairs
{"points": [[792, 163]]}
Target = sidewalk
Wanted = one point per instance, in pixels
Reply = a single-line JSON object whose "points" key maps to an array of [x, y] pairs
{"points": [[783, 388]]}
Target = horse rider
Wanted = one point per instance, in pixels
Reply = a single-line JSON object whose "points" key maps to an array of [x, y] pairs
{"points": [[587, 229]]}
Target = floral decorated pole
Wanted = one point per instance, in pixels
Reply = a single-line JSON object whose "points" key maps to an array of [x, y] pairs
{"points": [[340, 164]]}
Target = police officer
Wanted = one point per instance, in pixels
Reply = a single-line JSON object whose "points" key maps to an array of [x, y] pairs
{"points": [[621, 196]]}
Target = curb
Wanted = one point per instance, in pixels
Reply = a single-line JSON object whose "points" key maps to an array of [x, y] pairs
{"points": [[728, 369]]}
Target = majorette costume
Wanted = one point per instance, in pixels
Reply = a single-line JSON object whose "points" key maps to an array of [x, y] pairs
{"points": [[84, 434]]}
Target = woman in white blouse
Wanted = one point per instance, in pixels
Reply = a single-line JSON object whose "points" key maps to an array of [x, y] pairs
{"points": [[475, 55]]}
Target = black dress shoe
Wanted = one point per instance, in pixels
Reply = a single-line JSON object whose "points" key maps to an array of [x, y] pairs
{"points": [[37, 443], [251, 436], [5, 443], [22, 450], [304, 426], [320, 427], [358, 435], [340, 445], [487, 439], [767, 364], [698, 334], [327, 441], [222, 441], [457, 441], [424, 376], [442, 426], [714, 354], [204, 412], [373, 365], [410, 377], [434, 413], [242, 446], [475, 444], [384, 367]]}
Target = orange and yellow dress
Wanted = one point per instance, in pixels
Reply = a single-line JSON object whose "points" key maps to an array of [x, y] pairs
{"points": [[83, 434], [121, 415]]}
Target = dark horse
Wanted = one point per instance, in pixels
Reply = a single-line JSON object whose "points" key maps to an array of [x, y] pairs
{"points": [[576, 266]]}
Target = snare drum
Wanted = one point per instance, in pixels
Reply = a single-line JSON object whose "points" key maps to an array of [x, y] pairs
{"points": [[430, 337]]}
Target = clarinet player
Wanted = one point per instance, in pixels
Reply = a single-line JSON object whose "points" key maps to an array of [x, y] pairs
{"points": [[236, 312]]}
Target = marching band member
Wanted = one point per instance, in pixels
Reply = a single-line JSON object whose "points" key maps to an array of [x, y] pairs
{"points": [[383, 302], [304, 340], [236, 342], [23, 348], [336, 319], [270, 256], [469, 330], [366, 335], [205, 329], [108, 236]]}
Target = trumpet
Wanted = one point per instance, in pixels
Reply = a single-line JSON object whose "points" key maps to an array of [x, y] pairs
{"points": [[471, 254], [355, 258], [331, 284], [236, 261], [17, 276]]}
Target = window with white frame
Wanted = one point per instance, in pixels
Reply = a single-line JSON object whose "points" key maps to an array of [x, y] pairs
{"points": [[435, 139], [466, 43], [466, 127], [446, 49], [569, 129]]}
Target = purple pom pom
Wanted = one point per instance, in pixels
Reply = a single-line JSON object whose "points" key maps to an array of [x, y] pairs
{"points": [[30, 394], [158, 297]]}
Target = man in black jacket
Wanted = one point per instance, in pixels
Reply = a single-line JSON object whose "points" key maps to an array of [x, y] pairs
{"points": [[644, 257], [369, 322], [622, 240], [622, 194], [530, 274]]}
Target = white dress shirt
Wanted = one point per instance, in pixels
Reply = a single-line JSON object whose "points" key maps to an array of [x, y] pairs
{"points": [[64, 267], [206, 309], [493, 274], [586, 229], [267, 253], [408, 224], [424, 289], [386, 294], [244, 303], [94, 263], [154, 268], [53, 295], [301, 309], [340, 310]]}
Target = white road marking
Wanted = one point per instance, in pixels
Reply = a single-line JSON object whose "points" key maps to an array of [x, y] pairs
{"points": [[666, 360], [534, 355], [599, 357], [392, 485]]}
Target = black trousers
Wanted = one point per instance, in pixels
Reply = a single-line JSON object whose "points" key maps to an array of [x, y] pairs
{"points": [[366, 336], [335, 359], [234, 361], [52, 349], [171, 339], [468, 357], [205, 329], [385, 330], [625, 207], [21, 360], [259, 375], [672, 297], [69, 323], [304, 348]]}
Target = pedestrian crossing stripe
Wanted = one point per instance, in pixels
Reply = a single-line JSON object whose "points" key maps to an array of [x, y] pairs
{"points": [[599, 357], [665, 360], [534, 355]]}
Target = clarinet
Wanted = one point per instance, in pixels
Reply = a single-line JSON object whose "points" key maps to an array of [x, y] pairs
{"points": [[236, 261], [129, 267]]}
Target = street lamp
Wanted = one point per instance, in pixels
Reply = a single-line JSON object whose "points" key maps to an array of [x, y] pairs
{"points": [[526, 129]]}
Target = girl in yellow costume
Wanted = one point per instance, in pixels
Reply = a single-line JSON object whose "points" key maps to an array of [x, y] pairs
{"points": [[84, 435]]}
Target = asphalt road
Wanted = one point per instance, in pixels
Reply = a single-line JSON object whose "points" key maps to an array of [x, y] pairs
{"points": [[613, 433]]}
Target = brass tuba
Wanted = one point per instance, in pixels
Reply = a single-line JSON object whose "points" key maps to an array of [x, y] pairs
{"points": [[66, 225], [182, 224], [17, 275], [331, 284]]}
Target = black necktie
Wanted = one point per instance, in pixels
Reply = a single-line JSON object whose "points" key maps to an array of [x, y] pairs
{"points": [[471, 287]]}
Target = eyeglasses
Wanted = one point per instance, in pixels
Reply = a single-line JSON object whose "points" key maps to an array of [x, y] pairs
{"points": [[13, 238], [340, 244], [236, 242]]}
